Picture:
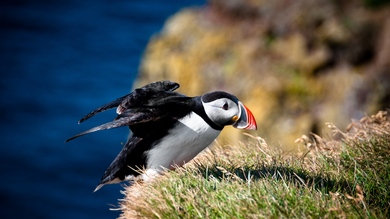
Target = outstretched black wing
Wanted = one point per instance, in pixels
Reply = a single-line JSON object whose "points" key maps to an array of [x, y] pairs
{"points": [[142, 108], [135, 98]]}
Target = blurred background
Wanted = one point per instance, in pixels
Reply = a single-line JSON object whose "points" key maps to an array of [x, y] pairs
{"points": [[295, 64], [59, 60]]}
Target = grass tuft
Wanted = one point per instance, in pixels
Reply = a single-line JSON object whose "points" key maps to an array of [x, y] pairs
{"points": [[332, 179]]}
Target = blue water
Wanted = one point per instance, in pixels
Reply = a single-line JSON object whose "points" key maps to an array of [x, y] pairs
{"points": [[60, 59]]}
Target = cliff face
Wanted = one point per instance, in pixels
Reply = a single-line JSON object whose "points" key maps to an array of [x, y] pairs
{"points": [[295, 64]]}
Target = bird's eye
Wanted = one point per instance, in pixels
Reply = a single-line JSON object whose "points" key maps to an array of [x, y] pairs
{"points": [[225, 106]]}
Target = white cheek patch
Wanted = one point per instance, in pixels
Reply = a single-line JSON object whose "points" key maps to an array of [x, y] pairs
{"points": [[214, 110]]}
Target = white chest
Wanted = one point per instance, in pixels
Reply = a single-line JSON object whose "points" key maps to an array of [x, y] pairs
{"points": [[183, 143]]}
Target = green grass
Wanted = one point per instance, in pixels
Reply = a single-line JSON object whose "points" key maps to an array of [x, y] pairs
{"points": [[334, 179]]}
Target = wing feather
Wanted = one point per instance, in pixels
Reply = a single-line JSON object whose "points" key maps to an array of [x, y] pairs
{"points": [[126, 120], [103, 108], [136, 98]]}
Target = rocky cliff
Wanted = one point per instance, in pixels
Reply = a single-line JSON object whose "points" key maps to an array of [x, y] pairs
{"points": [[295, 64]]}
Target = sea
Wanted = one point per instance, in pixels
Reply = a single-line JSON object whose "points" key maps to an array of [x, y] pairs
{"points": [[59, 59]]}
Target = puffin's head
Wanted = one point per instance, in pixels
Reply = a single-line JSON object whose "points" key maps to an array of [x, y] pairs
{"points": [[225, 109]]}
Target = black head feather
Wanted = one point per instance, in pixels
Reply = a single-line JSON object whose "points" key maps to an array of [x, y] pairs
{"points": [[209, 97]]}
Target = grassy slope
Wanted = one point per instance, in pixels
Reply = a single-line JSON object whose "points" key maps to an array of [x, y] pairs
{"points": [[335, 179]]}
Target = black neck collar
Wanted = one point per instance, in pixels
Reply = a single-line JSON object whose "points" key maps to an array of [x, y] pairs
{"points": [[199, 109]]}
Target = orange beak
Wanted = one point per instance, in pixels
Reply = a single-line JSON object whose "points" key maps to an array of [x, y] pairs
{"points": [[246, 119]]}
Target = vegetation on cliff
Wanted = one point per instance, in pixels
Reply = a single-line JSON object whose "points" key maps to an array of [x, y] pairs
{"points": [[333, 179]]}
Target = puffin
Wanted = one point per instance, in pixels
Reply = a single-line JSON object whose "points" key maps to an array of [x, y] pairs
{"points": [[168, 129]]}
